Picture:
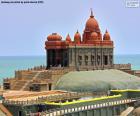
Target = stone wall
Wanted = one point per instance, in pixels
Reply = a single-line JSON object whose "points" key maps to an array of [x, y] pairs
{"points": [[97, 57], [122, 66]]}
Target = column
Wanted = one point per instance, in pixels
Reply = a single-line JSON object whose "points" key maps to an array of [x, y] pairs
{"points": [[46, 58], [108, 59], [95, 58], [73, 57], [102, 58]]}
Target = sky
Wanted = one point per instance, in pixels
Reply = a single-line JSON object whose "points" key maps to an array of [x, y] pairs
{"points": [[25, 27]]}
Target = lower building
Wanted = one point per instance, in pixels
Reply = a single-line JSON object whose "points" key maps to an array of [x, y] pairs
{"points": [[67, 103]]}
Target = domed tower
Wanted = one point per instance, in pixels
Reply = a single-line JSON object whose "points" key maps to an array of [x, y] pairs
{"points": [[68, 39], [77, 38], [57, 51], [91, 26], [106, 36], [54, 37], [107, 39]]}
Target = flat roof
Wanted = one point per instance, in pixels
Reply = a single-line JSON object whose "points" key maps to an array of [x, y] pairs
{"points": [[29, 95]]}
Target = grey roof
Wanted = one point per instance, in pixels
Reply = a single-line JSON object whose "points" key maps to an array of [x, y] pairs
{"points": [[97, 80]]}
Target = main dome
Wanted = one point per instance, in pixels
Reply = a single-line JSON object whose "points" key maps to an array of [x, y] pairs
{"points": [[92, 24]]}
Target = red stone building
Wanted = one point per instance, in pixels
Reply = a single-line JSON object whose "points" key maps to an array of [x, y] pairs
{"points": [[89, 50]]}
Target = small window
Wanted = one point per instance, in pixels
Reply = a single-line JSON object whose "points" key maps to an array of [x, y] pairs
{"points": [[50, 86], [105, 60], [86, 58], [98, 57], [92, 58]]}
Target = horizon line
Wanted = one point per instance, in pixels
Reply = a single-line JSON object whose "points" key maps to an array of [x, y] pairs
{"points": [[45, 55]]}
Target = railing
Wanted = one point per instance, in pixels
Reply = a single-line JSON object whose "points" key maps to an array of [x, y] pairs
{"points": [[8, 79], [61, 111], [35, 68], [50, 98], [41, 67]]}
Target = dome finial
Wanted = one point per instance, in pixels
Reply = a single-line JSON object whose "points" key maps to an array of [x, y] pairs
{"points": [[77, 31], [106, 31], [91, 13]]}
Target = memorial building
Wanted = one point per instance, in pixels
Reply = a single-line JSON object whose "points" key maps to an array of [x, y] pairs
{"points": [[89, 50]]}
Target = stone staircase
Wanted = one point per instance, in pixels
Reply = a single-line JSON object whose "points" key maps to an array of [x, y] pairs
{"points": [[24, 79], [26, 85], [19, 84], [28, 77]]}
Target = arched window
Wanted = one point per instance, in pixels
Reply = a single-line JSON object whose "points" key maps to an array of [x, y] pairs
{"points": [[86, 58], [79, 58]]}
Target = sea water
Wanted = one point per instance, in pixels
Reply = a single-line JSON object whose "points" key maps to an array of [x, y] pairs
{"points": [[132, 59], [8, 64]]}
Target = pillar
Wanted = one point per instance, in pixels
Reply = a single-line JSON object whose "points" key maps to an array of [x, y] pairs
{"points": [[46, 59]]}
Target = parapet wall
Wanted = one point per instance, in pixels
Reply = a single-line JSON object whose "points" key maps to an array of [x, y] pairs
{"points": [[122, 66], [39, 75], [30, 73]]}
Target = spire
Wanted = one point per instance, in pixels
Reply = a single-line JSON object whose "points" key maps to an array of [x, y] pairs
{"points": [[77, 31], [91, 13], [106, 35], [68, 35], [106, 31], [77, 37], [68, 38]]}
